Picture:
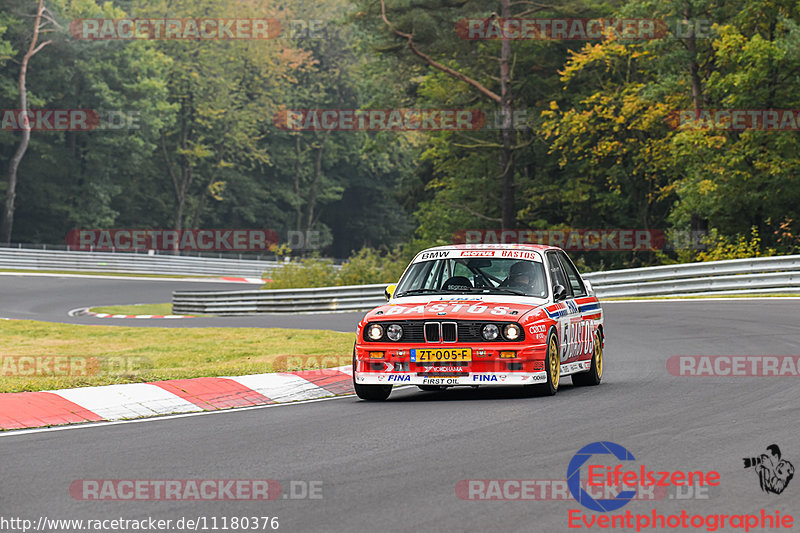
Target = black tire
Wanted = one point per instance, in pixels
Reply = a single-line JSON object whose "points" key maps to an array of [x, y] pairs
{"points": [[548, 388], [372, 393], [430, 388], [553, 371], [595, 373]]}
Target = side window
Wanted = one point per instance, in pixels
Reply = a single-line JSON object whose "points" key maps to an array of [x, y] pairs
{"points": [[578, 289], [557, 273]]}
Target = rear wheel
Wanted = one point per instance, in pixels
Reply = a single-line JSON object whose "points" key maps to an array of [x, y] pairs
{"points": [[595, 373], [374, 393]]}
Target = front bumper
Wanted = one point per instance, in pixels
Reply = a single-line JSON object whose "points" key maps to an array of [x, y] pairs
{"points": [[487, 368]]}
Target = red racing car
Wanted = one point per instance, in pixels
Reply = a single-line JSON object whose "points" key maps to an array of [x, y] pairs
{"points": [[478, 315]]}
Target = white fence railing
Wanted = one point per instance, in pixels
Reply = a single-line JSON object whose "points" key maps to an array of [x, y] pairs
{"points": [[130, 263], [738, 276]]}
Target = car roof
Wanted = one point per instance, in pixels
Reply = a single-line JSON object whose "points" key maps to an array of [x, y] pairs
{"points": [[528, 247]]}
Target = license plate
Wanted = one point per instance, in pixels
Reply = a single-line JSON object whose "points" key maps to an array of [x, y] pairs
{"points": [[441, 355]]}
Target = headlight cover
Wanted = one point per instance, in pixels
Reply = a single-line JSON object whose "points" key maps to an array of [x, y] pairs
{"points": [[512, 332], [490, 332], [375, 332], [394, 332]]}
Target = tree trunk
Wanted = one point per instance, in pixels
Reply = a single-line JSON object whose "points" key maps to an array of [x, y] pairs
{"points": [[11, 194], [509, 215], [298, 208], [313, 193], [694, 68]]}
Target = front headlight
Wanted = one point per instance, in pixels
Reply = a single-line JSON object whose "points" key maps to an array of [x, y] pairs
{"points": [[512, 332], [394, 332], [490, 332], [375, 332]]}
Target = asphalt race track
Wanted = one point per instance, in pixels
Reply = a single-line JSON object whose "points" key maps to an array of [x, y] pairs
{"points": [[51, 298], [395, 466]]}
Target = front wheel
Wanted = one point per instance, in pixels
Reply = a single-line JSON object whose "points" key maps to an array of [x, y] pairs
{"points": [[552, 365], [595, 373], [373, 393]]}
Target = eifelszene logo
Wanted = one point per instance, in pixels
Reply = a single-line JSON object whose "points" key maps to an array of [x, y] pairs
{"points": [[774, 473], [619, 477], [574, 476]]}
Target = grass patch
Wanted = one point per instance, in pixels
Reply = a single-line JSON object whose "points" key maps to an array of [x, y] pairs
{"points": [[105, 355], [134, 309], [700, 297]]}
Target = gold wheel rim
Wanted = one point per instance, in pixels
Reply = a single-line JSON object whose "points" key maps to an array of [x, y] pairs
{"points": [[555, 368], [598, 355]]}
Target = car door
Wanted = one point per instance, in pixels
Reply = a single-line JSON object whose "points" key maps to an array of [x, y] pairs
{"points": [[565, 311], [579, 335]]}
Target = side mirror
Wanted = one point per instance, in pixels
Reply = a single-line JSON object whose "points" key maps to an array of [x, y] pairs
{"points": [[389, 292], [559, 292]]}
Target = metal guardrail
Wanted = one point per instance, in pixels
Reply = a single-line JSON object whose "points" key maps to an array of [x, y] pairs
{"points": [[131, 263], [784, 263], [320, 300], [234, 255], [736, 276], [739, 276]]}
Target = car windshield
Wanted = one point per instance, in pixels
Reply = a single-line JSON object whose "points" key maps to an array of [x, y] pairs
{"points": [[485, 275]]}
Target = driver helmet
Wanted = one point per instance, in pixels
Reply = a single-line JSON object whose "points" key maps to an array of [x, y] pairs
{"points": [[520, 270]]}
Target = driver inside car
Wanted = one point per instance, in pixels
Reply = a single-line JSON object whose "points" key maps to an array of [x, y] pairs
{"points": [[522, 275]]}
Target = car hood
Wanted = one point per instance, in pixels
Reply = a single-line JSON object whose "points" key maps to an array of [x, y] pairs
{"points": [[461, 307]]}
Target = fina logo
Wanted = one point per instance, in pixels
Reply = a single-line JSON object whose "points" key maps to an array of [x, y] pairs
{"points": [[574, 477], [484, 378], [399, 377]]}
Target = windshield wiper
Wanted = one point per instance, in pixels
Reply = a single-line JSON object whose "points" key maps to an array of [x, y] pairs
{"points": [[417, 291], [439, 291]]}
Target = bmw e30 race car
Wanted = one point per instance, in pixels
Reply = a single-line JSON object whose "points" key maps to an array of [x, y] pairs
{"points": [[478, 315]]}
